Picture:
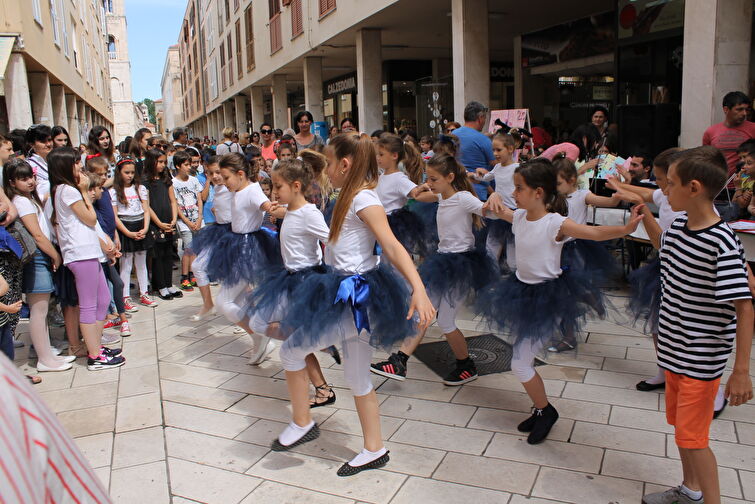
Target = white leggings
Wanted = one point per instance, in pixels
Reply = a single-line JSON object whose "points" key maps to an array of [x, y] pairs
{"points": [[357, 354], [263, 318], [495, 246], [447, 310], [127, 262], [231, 301], [199, 267], [523, 361]]}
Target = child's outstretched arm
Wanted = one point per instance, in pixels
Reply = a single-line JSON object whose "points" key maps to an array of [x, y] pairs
{"points": [[601, 233], [739, 386], [603, 201], [495, 205], [643, 192]]}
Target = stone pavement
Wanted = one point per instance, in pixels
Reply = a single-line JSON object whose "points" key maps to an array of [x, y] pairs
{"points": [[187, 420]]}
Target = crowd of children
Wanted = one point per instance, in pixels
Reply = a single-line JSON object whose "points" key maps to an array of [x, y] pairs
{"points": [[359, 244]]}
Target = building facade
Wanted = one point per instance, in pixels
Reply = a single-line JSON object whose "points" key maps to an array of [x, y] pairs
{"points": [[413, 65], [126, 114], [54, 65], [172, 97]]}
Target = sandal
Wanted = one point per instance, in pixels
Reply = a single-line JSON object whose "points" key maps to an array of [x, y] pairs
{"points": [[561, 346], [329, 399], [34, 379]]}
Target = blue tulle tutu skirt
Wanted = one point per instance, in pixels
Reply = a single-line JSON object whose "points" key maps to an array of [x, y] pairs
{"points": [[463, 272], [409, 228], [313, 310], [208, 236], [645, 300], [500, 230], [537, 312], [592, 258], [427, 213], [278, 287], [244, 258]]}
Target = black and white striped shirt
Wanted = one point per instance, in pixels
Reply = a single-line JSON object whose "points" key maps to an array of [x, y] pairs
{"points": [[702, 273]]}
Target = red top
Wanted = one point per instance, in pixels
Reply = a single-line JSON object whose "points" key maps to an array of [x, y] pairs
{"points": [[727, 140], [269, 152]]}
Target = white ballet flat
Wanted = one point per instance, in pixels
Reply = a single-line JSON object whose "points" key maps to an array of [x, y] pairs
{"points": [[41, 368], [68, 358]]}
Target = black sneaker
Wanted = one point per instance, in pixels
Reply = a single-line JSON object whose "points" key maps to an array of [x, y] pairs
{"points": [[394, 367], [465, 372], [528, 424], [544, 420], [103, 361], [111, 352]]}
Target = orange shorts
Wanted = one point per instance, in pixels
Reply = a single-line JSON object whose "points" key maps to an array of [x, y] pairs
{"points": [[689, 408]]}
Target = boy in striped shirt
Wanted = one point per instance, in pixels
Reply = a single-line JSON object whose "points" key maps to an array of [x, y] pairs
{"points": [[706, 307]]}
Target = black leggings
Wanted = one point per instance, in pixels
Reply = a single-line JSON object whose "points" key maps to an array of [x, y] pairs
{"points": [[114, 278], [162, 265]]}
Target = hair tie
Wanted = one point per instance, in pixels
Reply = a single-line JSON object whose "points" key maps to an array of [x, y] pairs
{"points": [[90, 156]]}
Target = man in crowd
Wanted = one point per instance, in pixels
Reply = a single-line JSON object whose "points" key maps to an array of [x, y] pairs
{"points": [[475, 149], [735, 129]]}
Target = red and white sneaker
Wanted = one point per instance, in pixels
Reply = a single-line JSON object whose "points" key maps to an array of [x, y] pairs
{"points": [[125, 329], [113, 323], [129, 306], [147, 301]]}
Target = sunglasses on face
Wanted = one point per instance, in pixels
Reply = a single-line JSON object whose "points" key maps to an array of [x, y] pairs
{"points": [[266, 132]]}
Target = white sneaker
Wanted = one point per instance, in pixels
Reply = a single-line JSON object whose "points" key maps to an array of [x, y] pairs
{"points": [[239, 330], [259, 356], [110, 339], [125, 329]]}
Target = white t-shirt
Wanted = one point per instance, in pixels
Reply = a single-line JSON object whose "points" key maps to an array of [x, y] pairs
{"points": [[133, 206], [77, 241], [353, 251], [393, 190], [43, 177], [26, 206], [222, 204], [538, 254], [455, 222], [578, 205], [504, 182], [187, 198], [300, 234], [246, 213], [665, 214], [227, 148]]}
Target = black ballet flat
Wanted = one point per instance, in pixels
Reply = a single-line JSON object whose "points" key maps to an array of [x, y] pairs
{"points": [[333, 351], [164, 298], [311, 435], [329, 400], [177, 294], [349, 470], [644, 386]]}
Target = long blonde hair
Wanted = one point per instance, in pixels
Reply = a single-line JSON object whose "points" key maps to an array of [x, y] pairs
{"points": [[318, 162], [362, 175]]}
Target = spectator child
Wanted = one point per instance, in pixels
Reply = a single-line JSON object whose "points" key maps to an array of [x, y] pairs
{"points": [[188, 197]]}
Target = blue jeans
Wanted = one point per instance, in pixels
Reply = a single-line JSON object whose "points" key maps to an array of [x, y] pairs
{"points": [[6, 341]]}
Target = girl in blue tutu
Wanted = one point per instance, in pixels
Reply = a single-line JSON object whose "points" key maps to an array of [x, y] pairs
{"points": [[395, 188], [243, 257], [458, 269], [211, 234], [355, 301], [543, 298], [587, 257]]}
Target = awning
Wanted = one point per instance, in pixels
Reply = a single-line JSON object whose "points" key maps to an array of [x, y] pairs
{"points": [[6, 46]]}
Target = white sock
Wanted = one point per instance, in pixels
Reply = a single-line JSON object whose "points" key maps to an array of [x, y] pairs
{"points": [[365, 457], [691, 493], [164, 292], [292, 433], [172, 289], [659, 378], [719, 399]]}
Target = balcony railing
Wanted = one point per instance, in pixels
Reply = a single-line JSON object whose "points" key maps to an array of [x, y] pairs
{"points": [[112, 55]]}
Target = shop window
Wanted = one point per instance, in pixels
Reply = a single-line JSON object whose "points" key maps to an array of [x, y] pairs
{"points": [[249, 31], [297, 27], [326, 6]]}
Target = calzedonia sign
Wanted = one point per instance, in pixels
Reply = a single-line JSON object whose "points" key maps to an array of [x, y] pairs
{"points": [[344, 84]]}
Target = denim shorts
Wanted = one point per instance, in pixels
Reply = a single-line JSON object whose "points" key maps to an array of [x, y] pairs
{"points": [[37, 275]]}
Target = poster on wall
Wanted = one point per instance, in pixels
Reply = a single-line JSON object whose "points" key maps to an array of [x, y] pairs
{"points": [[513, 118], [642, 17]]}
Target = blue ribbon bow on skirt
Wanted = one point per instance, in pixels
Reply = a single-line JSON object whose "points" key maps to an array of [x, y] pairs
{"points": [[355, 290]]}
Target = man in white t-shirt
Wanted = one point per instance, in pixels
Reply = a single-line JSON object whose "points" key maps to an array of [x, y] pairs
{"points": [[188, 197]]}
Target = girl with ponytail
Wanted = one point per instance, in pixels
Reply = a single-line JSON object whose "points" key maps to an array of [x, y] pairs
{"points": [[545, 297], [353, 300]]}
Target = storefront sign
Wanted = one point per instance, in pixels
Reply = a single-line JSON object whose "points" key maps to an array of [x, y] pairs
{"points": [[501, 71], [641, 17], [343, 84], [569, 41]]}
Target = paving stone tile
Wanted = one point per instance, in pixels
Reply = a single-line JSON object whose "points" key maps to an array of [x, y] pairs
{"points": [[746, 433], [237, 364], [197, 395], [417, 490], [572, 359], [199, 348], [138, 412], [270, 491], [212, 450], [584, 488], [83, 377], [492, 398], [55, 381], [507, 421], [507, 381], [487, 472], [139, 380], [550, 453], [522, 499], [84, 422], [376, 486], [139, 353], [630, 342], [81, 397], [427, 411], [172, 345], [138, 447], [194, 375], [564, 373], [207, 484], [103, 474], [581, 410], [204, 420], [742, 413], [722, 430], [97, 449], [152, 484], [609, 395], [443, 437], [748, 484], [732, 455], [642, 354], [258, 385], [631, 366], [273, 409], [619, 438], [613, 379], [239, 346], [347, 422], [599, 350], [419, 389]]}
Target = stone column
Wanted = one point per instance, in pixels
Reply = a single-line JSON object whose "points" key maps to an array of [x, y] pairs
{"points": [[313, 87], [716, 61], [280, 102], [227, 117], [17, 94], [369, 80], [258, 107], [59, 113], [239, 102], [471, 58], [41, 99], [72, 119]]}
